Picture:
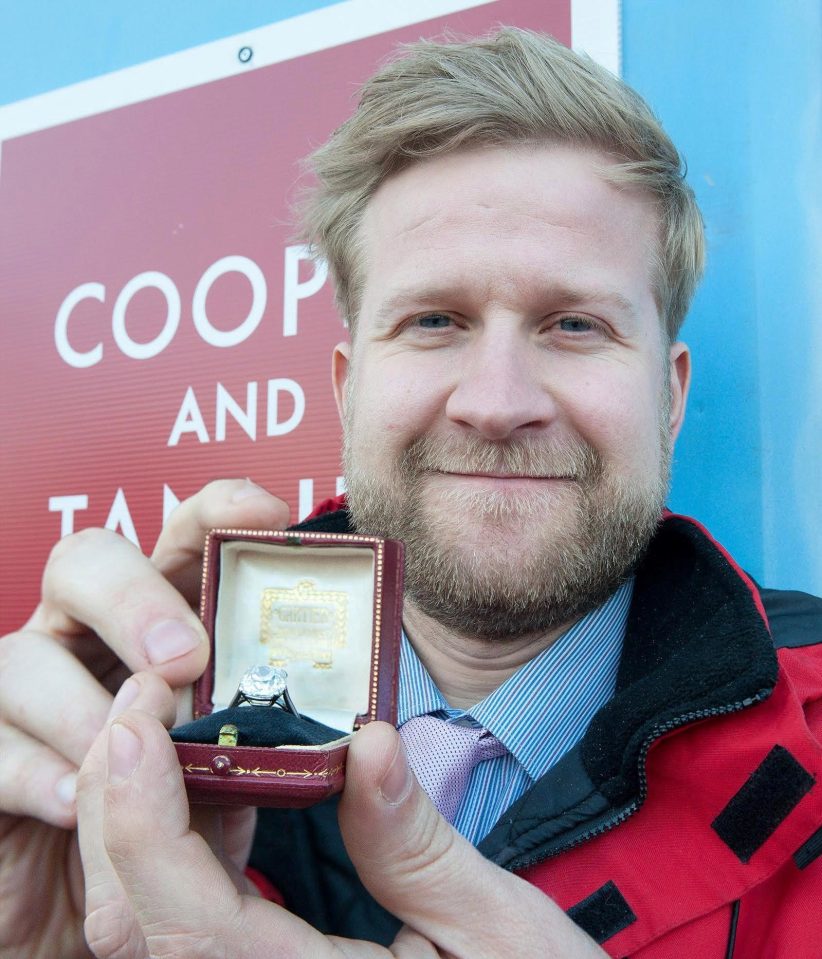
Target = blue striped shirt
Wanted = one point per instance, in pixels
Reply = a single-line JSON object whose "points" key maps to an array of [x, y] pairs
{"points": [[538, 713]]}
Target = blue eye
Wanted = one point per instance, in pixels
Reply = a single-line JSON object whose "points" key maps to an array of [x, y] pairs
{"points": [[434, 321], [576, 324]]}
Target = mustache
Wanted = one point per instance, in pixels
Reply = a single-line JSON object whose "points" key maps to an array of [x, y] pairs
{"points": [[524, 456]]}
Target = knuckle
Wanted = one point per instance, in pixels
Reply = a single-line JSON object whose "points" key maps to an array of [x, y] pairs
{"points": [[91, 538], [187, 945], [424, 857], [213, 496], [24, 787], [111, 932], [74, 556], [193, 510], [10, 646], [75, 561], [218, 489], [215, 502], [124, 852]]}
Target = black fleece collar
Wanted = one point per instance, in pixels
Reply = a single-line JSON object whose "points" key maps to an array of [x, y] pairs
{"points": [[696, 645], [695, 641]]}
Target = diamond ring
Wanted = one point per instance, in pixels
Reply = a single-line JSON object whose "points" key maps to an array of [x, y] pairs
{"points": [[265, 686]]}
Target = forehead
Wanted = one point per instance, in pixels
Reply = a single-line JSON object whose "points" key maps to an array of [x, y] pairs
{"points": [[508, 218]]}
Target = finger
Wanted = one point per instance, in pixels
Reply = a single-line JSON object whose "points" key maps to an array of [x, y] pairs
{"points": [[183, 900], [229, 831], [417, 866], [34, 780], [236, 504], [409, 944], [98, 579], [110, 928], [58, 703]]}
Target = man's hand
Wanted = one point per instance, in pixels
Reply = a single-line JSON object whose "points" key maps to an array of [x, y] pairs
{"points": [[172, 897], [106, 612]]}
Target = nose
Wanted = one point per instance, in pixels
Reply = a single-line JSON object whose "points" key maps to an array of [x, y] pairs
{"points": [[500, 389]]}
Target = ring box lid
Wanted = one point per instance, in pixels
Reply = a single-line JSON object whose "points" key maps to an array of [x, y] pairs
{"points": [[325, 606]]}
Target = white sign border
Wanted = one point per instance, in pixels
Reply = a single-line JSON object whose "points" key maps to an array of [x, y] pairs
{"points": [[594, 29]]}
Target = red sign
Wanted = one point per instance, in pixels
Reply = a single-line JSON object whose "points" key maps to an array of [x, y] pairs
{"points": [[160, 325]]}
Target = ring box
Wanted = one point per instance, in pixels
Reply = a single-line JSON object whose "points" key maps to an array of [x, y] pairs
{"points": [[327, 608]]}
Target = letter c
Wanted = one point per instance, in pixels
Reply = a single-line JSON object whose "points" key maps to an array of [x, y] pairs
{"points": [[86, 291]]}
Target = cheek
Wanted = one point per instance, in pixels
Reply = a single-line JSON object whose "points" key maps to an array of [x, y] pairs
{"points": [[620, 418], [385, 419], [398, 403]]}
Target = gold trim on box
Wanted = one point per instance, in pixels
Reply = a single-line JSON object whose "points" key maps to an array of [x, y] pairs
{"points": [[278, 773], [377, 631]]}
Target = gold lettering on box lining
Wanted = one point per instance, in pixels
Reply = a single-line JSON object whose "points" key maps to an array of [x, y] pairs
{"points": [[303, 624]]}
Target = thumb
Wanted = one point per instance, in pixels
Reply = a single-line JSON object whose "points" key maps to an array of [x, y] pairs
{"points": [[420, 869], [183, 901]]}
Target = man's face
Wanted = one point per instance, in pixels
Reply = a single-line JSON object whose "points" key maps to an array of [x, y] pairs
{"points": [[509, 404]]}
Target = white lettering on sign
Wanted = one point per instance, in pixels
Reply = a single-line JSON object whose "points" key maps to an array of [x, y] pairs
{"points": [[170, 502], [190, 418], [273, 425], [246, 416], [119, 518], [305, 499], [128, 346], [86, 291], [66, 506], [230, 264], [293, 291]]}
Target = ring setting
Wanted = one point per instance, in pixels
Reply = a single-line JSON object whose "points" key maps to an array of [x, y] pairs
{"points": [[264, 685]]}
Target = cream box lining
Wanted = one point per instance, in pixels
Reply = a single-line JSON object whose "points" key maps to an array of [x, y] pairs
{"points": [[307, 609]]}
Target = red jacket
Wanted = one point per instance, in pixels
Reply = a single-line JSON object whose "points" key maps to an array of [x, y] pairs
{"points": [[687, 822], [690, 814]]}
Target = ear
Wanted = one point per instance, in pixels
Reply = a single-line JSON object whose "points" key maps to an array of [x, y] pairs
{"points": [[340, 364], [680, 369]]}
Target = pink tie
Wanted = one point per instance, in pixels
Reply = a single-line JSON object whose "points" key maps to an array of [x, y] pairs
{"points": [[442, 756]]}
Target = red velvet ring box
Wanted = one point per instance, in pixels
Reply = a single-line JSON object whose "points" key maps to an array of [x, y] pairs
{"points": [[327, 608]]}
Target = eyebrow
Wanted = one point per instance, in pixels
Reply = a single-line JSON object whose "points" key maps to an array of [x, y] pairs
{"points": [[577, 297]]}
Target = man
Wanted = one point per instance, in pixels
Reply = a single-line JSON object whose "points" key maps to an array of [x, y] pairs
{"points": [[514, 249]]}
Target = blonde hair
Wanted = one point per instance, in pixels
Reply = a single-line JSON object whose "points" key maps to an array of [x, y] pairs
{"points": [[513, 87]]}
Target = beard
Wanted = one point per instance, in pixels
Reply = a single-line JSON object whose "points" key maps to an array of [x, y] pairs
{"points": [[497, 563]]}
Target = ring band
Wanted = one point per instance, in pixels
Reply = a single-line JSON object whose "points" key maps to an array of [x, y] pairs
{"points": [[265, 686]]}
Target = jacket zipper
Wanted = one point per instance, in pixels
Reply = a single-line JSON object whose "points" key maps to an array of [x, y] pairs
{"points": [[627, 811]]}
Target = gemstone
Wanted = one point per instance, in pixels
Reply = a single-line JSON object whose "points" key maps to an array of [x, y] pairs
{"points": [[263, 682]]}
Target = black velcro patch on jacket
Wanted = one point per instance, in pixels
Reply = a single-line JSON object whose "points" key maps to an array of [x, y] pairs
{"points": [[771, 792], [809, 851], [603, 914]]}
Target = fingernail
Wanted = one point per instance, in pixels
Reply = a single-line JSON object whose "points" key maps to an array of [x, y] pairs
{"points": [[246, 490], [397, 782], [124, 751], [126, 695], [66, 789], [168, 640]]}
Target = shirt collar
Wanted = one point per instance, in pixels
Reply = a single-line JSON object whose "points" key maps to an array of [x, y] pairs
{"points": [[557, 692]]}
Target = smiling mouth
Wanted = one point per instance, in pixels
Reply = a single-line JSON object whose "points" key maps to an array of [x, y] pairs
{"points": [[506, 477]]}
